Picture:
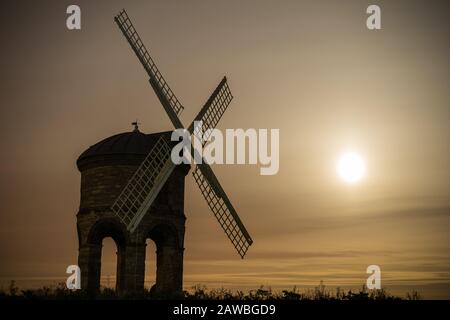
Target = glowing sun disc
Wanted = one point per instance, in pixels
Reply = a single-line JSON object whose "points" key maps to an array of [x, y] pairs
{"points": [[351, 167]]}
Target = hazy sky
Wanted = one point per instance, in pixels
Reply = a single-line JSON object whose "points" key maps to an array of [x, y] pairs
{"points": [[309, 68]]}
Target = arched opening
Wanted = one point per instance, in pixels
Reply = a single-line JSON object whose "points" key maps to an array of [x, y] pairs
{"points": [[167, 266], [164, 235], [150, 264], [104, 259], [108, 268]]}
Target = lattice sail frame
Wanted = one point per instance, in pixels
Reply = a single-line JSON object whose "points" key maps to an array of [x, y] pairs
{"points": [[209, 185], [212, 111], [127, 205], [130, 33], [224, 212], [143, 187]]}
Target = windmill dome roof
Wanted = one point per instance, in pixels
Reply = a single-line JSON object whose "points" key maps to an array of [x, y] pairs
{"points": [[126, 143]]}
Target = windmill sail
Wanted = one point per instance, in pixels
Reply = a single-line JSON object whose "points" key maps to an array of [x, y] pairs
{"points": [[145, 184], [212, 110], [222, 208], [168, 99], [205, 178], [142, 189]]}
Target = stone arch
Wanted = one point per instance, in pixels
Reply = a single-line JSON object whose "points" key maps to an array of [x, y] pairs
{"points": [[163, 233], [91, 252], [107, 228], [169, 257]]}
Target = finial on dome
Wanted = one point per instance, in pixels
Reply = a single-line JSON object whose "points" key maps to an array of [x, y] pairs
{"points": [[136, 126]]}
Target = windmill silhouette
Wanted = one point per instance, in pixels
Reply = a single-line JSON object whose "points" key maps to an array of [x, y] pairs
{"points": [[142, 189], [131, 191]]}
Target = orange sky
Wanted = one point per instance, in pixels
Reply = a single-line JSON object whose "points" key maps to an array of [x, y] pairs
{"points": [[308, 68]]}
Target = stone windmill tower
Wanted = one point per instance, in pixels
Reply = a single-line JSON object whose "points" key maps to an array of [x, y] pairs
{"points": [[105, 168], [131, 191]]}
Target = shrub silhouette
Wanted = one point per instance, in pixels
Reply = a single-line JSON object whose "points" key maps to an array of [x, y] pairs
{"points": [[200, 292]]}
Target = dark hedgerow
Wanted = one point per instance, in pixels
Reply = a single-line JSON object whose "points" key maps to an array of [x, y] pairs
{"points": [[200, 292]]}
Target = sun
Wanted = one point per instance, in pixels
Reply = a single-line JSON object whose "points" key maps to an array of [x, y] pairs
{"points": [[351, 167]]}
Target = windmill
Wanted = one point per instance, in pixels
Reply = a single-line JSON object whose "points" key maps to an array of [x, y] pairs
{"points": [[142, 189]]}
